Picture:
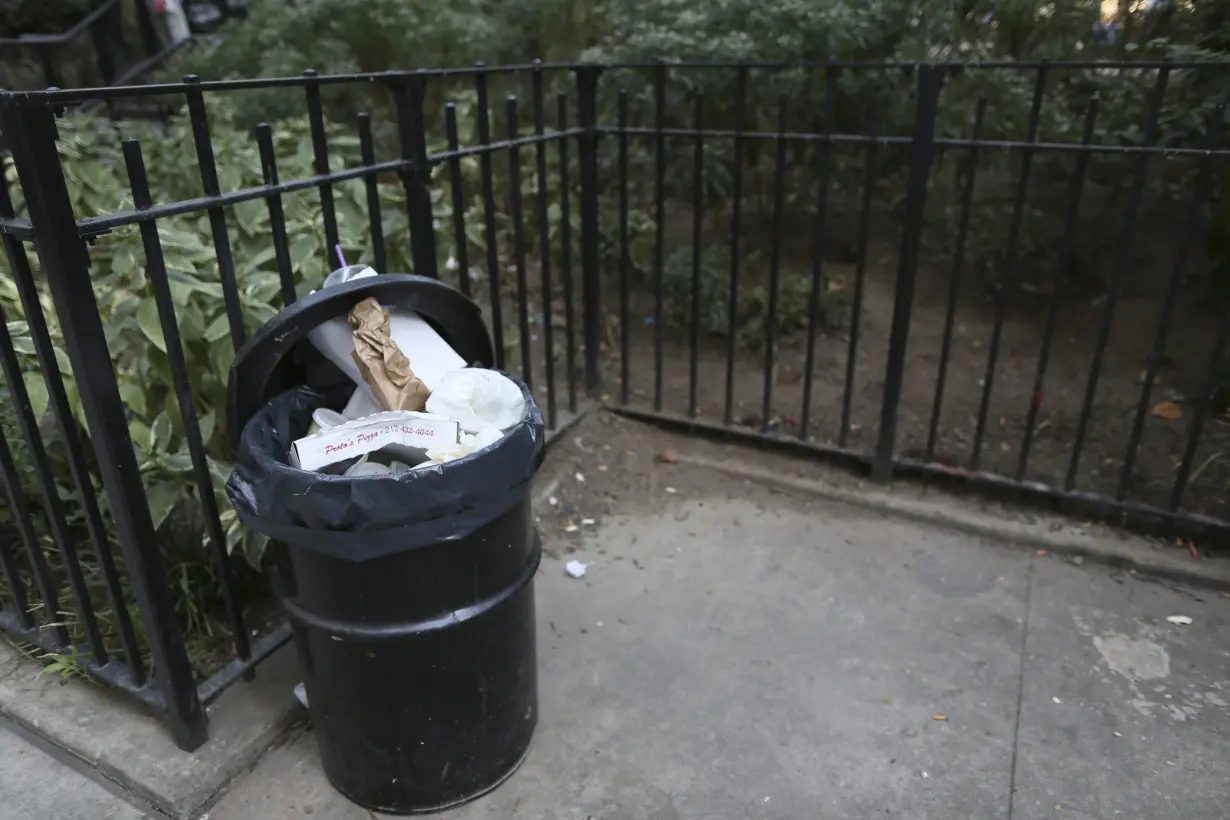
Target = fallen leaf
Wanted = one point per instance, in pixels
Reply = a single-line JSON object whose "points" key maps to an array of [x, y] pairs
{"points": [[1167, 410], [668, 457]]}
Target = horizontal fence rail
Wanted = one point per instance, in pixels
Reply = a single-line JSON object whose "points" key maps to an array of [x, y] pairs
{"points": [[877, 264]]}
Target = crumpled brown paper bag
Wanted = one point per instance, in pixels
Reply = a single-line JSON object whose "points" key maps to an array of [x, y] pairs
{"points": [[383, 366]]}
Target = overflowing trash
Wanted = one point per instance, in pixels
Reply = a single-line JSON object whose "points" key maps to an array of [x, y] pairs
{"points": [[405, 413], [415, 404]]}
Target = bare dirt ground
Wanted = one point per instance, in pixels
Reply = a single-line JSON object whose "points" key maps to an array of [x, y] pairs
{"points": [[1114, 406], [1150, 260]]}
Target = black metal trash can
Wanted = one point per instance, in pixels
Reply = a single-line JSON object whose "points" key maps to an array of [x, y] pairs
{"points": [[411, 597]]}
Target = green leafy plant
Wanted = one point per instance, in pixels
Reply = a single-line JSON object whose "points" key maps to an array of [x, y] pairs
{"points": [[93, 163]]}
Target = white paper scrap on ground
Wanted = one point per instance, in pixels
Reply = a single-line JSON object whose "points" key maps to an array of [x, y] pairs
{"points": [[477, 399], [301, 694], [1179, 620], [397, 429], [575, 568]]}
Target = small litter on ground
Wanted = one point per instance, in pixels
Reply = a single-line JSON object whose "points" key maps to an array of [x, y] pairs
{"points": [[575, 569], [1179, 620]]}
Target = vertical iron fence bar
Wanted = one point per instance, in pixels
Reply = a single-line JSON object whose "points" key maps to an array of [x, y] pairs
{"points": [[52, 503], [1014, 237], [1190, 233], [736, 228], [461, 241], [489, 230], [1116, 277], [29, 536], [156, 268], [29, 127], [1204, 399], [659, 230], [217, 217], [320, 158], [47, 55], [25, 527], [817, 264], [954, 278], [149, 36], [544, 238], [770, 325], [591, 272], [625, 373], [417, 180], [922, 147], [367, 155], [565, 231], [523, 297], [698, 213], [99, 31], [860, 274], [277, 221], [1058, 291], [27, 290]]}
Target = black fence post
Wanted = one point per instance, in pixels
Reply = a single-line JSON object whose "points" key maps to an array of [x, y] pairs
{"points": [[47, 56], [145, 22], [922, 148], [29, 127], [101, 33], [417, 180], [591, 276]]}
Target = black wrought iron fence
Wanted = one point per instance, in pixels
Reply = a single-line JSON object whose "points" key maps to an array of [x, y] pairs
{"points": [[777, 253], [95, 51]]}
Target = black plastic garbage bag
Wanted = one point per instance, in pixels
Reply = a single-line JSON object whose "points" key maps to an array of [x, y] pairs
{"points": [[365, 517]]}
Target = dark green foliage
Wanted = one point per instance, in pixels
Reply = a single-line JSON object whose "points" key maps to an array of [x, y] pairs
{"points": [[18, 17]]}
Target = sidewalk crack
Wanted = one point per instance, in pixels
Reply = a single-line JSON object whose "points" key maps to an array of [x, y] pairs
{"points": [[1020, 686]]}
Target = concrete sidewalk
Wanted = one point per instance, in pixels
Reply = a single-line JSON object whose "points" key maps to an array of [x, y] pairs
{"points": [[35, 784], [752, 649], [740, 652]]}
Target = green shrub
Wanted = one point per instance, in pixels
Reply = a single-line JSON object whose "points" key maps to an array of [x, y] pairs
{"points": [[90, 151]]}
